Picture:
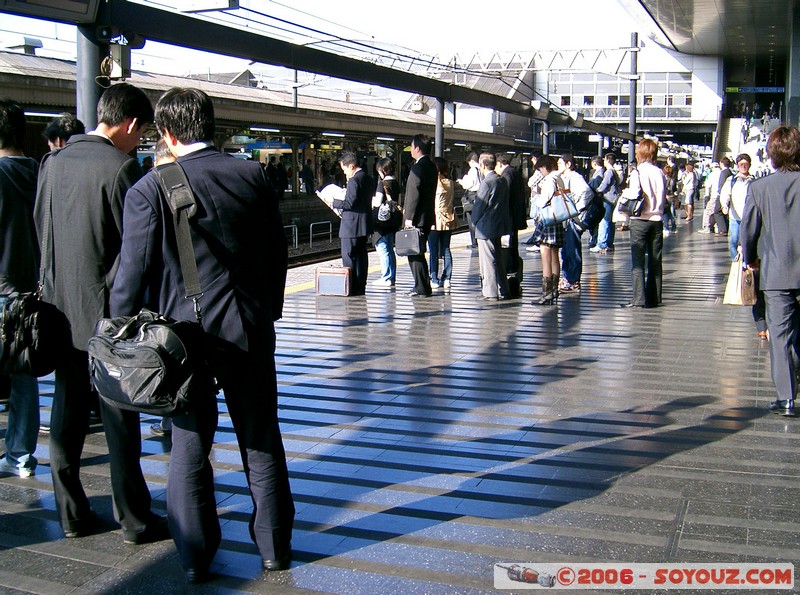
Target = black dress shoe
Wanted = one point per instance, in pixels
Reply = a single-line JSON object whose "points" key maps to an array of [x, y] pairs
{"points": [[630, 306], [279, 564], [195, 576], [156, 530], [783, 407]]}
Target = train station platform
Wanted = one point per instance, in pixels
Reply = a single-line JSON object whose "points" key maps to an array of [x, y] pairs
{"points": [[429, 439]]}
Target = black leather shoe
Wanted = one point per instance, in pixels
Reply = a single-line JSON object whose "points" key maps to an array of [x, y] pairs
{"points": [[630, 306], [783, 407], [195, 576], [279, 564], [156, 530]]}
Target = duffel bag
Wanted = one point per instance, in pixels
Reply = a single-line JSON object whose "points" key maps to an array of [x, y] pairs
{"points": [[33, 335], [592, 215], [149, 363]]}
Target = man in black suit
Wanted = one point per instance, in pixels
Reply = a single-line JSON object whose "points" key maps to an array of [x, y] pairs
{"points": [[770, 243], [85, 184], [241, 257], [517, 202], [356, 221], [492, 218], [418, 208]]}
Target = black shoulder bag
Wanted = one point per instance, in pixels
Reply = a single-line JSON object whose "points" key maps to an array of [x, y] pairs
{"points": [[149, 363], [34, 334]]}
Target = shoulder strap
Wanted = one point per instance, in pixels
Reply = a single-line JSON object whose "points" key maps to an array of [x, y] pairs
{"points": [[180, 198], [44, 253]]}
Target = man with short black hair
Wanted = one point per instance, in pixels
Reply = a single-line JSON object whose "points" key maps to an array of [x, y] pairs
{"points": [[84, 185], [492, 218], [418, 209], [356, 225], [19, 267], [517, 201], [241, 256]]}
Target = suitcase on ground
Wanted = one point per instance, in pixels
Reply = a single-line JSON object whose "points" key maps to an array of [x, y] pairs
{"points": [[333, 281]]}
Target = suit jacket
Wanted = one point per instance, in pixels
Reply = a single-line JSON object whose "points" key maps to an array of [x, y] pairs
{"points": [[769, 227], [517, 201], [238, 242], [89, 178], [420, 201], [490, 213], [356, 206]]}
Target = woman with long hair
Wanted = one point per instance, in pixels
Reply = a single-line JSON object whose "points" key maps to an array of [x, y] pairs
{"points": [[386, 219], [550, 238], [439, 238]]}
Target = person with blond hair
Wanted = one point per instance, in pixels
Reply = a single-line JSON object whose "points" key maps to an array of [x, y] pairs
{"points": [[647, 227]]}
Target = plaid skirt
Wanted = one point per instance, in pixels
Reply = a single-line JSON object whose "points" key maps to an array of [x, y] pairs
{"points": [[552, 235]]}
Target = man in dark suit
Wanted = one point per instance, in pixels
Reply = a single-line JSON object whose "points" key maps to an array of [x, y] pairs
{"points": [[356, 221], [517, 203], [241, 257], [418, 208], [770, 242], [492, 218], [85, 183]]}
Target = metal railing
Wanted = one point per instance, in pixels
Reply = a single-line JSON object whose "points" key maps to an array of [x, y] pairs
{"points": [[295, 235], [312, 233]]}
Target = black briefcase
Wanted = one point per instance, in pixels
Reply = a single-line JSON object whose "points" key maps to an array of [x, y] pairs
{"points": [[408, 242]]}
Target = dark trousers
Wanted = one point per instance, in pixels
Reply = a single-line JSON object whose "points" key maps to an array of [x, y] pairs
{"points": [[571, 254], [647, 242], [512, 255], [783, 318], [69, 424], [250, 390], [355, 256], [419, 269]]}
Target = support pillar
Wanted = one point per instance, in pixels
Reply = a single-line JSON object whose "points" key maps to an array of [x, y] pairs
{"points": [[88, 92], [793, 76], [438, 146], [634, 83]]}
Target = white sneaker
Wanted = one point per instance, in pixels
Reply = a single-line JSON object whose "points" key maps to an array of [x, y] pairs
{"points": [[595, 249], [436, 285], [533, 248], [446, 284], [6, 467], [382, 284], [665, 233]]}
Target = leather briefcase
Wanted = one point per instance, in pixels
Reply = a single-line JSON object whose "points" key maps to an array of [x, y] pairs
{"points": [[333, 281], [408, 242]]}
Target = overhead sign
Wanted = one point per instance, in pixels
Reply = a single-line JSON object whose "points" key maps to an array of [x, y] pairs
{"points": [[755, 89], [66, 11]]}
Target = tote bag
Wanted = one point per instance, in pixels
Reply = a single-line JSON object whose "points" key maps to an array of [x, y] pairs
{"points": [[741, 287]]}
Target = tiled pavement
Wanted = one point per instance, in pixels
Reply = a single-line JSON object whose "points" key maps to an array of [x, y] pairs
{"points": [[430, 438]]}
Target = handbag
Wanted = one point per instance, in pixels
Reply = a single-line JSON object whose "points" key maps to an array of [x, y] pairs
{"points": [[150, 363], [592, 215], [34, 334], [408, 242], [740, 290], [559, 208], [631, 205]]}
